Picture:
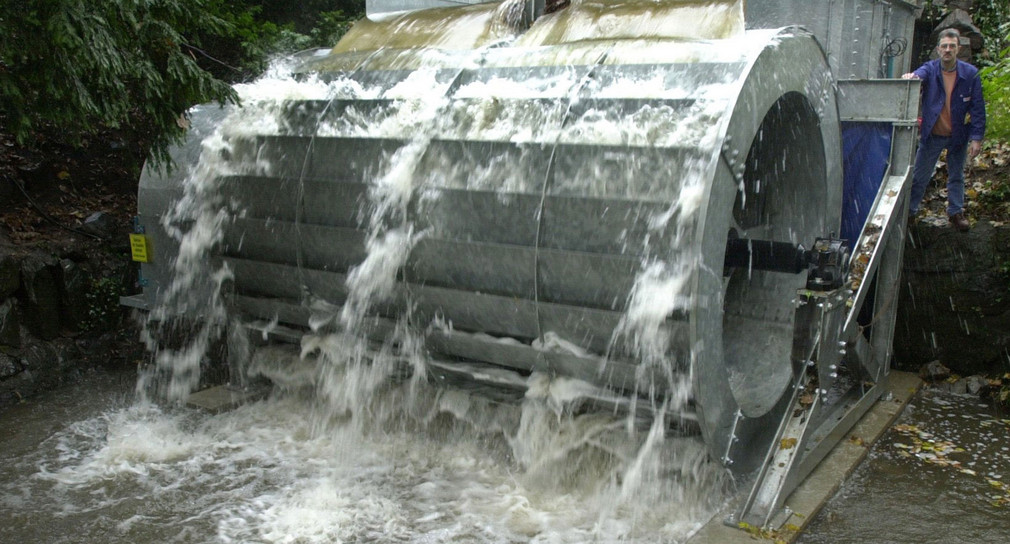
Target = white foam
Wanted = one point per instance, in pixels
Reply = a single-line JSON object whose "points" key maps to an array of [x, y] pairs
{"points": [[373, 460]]}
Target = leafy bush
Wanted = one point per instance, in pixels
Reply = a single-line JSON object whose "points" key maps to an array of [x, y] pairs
{"points": [[70, 69], [257, 31], [994, 197], [80, 65], [104, 311], [996, 87], [993, 21]]}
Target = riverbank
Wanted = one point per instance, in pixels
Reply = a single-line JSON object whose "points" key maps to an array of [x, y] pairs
{"points": [[64, 263]]}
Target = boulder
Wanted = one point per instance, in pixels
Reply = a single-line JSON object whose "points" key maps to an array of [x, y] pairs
{"points": [[975, 384], [9, 366], [17, 388], [100, 224], [961, 20], [73, 294], [10, 324], [50, 363], [959, 387], [10, 274], [934, 371], [40, 282], [954, 301]]}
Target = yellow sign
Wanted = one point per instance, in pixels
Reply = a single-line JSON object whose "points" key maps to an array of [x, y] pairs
{"points": [[138, 248]]}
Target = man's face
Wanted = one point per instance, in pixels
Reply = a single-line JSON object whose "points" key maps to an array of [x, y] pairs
{"points": [[947, 49]]}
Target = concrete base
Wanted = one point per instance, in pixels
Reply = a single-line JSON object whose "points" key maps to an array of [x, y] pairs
{"points": [[822, 484], [225, 397]]}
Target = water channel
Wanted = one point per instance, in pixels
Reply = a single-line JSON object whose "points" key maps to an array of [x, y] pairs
{"points": [[89, 464], [354, 455]]}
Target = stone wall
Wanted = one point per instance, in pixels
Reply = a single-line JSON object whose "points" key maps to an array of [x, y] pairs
{"points": [[49, 331], [954, 304]]}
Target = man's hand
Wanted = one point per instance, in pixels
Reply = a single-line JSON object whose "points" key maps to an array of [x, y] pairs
{"points": [[974, 148], [910, 75]]}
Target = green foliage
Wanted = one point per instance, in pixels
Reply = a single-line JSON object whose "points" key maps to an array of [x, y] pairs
{"points": [[332, 25], [996, 88], [79, 65], [993, 21], [260, 30], [104, 311], [995, 196]]}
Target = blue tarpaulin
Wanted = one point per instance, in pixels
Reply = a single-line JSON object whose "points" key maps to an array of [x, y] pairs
{"points": [[866, 148]]}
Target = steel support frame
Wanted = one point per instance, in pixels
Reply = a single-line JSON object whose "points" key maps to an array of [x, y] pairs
{"points": [[828, 328]]}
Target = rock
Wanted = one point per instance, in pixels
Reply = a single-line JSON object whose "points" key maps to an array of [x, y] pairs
{"points": [[17, 388], [73, 291], [954, 305], [48, 363], [10, 324], [42, 301], [100, 224], [10, 275], [960, 19], [934, 371], [975, 384], [972, 385], [38, 367], [966, 5], [9, 366]]}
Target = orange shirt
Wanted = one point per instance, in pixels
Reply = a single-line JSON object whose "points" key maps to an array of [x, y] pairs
{"points": [[942, 126]]}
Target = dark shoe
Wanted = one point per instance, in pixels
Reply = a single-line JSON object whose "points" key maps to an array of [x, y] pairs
{"points": [[960, 222]]}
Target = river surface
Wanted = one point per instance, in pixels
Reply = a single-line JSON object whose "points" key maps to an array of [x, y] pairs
{"points": [[940, 474], [89, 464]]}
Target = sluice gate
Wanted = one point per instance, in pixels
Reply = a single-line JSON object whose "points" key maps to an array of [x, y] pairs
{"points": [[690, 207]]}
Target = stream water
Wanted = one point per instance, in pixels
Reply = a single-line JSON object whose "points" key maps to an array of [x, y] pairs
{"points": [[89, 464], [357, 452], [941, 474]]}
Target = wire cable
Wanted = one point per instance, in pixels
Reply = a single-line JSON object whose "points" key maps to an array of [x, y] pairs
{"points": [[38, 209]]}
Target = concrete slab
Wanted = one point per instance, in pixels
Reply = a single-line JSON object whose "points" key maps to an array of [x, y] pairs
{"points": [[822, 484], [225, 397]]}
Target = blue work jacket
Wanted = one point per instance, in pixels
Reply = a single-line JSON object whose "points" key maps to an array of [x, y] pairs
{"points": [[967, 99]]}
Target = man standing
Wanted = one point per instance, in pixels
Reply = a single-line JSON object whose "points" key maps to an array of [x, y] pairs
{"points": [[953, 118]]}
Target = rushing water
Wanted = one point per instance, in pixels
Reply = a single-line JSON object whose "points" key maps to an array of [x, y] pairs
{"points": [[351, 449], [357, 452], [348, 447], [90, 465]]}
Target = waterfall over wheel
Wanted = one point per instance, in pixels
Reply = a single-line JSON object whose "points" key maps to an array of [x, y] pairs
{"points": [[643, 199]]}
